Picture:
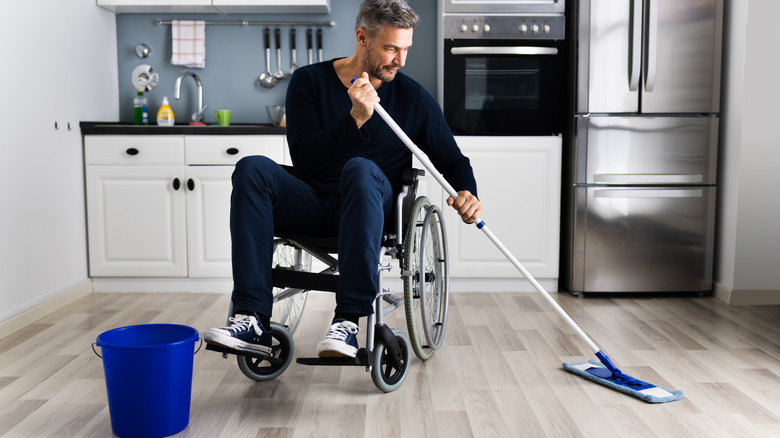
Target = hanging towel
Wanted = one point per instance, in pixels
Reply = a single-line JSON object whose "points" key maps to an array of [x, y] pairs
{"points": [[189, 43]]}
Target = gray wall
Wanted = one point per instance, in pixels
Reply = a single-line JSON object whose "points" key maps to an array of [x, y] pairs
{"points": [[235, 58]]}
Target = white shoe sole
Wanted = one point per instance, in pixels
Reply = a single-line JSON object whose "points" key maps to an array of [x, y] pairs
{"points": [[330, 348], [233, 343]]}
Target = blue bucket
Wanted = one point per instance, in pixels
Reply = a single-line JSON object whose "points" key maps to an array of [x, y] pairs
{"points": [[148, 372]]}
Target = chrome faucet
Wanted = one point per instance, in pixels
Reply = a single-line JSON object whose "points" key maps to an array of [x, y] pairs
{"points": [[197, 116]]}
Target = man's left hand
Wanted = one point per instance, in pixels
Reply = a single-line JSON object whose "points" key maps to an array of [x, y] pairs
{"points": [[467, 205]]}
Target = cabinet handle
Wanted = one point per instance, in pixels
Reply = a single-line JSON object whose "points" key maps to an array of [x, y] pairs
{"points": [[132, 151], [232, 151], [176, 184], [191, 184]]}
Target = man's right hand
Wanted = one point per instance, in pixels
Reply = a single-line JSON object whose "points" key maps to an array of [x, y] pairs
{"points": [[364, 98]]}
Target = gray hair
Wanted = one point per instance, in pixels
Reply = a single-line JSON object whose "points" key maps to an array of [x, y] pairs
{"points": [[374, 14]]}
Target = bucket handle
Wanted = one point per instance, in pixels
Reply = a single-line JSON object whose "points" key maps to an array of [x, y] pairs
{"points": [[196, 351]]}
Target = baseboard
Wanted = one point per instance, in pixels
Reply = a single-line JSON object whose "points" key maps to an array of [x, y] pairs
{"points": [[746, 297], [55, 302], [225, 285], [161, 285]]}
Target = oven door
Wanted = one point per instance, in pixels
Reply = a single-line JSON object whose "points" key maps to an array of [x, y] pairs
{"points": [[503, 87]]}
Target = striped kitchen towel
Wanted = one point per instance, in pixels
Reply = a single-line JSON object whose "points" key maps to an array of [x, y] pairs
{"points": [[189, 43]]}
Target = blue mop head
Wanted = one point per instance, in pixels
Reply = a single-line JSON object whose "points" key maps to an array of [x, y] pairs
{"points": [[595, 371]]}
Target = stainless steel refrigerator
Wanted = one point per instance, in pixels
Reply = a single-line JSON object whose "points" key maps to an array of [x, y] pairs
{"points": [[643, 139]]}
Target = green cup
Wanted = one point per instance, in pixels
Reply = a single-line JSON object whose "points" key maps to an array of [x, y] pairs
{"points": [[223, 117]]}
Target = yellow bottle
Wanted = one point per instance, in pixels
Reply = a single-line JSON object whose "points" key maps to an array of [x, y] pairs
{"points": [[165, 114]]}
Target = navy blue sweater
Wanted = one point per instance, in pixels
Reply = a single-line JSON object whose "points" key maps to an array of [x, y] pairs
{"points": [[322, 135]]}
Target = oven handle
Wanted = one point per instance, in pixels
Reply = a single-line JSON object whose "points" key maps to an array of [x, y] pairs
{"points": [[514, 50]]}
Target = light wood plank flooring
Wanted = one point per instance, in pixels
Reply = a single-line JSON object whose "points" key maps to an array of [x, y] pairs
{"points": [[498, 374]]}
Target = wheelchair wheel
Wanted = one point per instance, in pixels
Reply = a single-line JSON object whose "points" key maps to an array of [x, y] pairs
{"points": [[426, 279], [269, 368], [288, 311], [386, 376]]}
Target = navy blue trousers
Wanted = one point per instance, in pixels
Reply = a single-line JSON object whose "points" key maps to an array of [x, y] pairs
{"points": [[266, 199]]}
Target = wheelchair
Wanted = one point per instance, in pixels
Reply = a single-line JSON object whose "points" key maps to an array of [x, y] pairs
{"points": [[417, 239]]}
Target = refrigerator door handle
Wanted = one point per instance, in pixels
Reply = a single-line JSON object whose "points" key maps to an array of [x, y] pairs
{"points": [[617, 193], [651, 44], [647, 178], [635, 45]]}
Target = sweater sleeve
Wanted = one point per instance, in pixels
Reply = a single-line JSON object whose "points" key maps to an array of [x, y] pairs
{"points": [[436, 140], [320, 131]]}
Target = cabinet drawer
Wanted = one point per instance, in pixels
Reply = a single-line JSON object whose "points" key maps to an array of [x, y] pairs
{"points": [[228, 149], [134, 149]]}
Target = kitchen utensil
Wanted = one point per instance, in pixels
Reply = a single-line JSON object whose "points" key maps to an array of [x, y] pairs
{"points": [[223, 117], [293, 56], [143, 51], [267, 79], [277, 114], [144, 77], [279, 73], [309, 46], [319, 45]]}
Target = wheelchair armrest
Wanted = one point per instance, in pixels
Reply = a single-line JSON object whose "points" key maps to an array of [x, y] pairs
{"points": [[410, 175]]}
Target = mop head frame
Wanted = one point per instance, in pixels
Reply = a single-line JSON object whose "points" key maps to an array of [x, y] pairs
{"points": [[595, 371]]}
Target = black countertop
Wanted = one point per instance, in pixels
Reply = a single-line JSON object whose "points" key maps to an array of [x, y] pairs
{"points": [[125, 128]]}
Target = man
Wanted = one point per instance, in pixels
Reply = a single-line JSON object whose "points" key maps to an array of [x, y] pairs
{"points": [[348, 165]]}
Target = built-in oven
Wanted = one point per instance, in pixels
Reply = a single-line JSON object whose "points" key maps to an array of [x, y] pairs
{"points": [[503, 74]]}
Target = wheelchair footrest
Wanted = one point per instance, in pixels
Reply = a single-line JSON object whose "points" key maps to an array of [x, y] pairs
{"points": [[226, 350], [360, 360]]}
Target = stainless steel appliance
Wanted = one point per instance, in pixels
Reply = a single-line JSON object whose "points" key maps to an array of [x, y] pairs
{"points": [[643, 148], [503, 6], [503, 74]]}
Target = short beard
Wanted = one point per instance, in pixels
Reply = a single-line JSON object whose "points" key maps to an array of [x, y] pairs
{"points": [[375, 70]]}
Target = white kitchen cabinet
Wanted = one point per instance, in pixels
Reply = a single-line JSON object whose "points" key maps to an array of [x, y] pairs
{"points": [[157, 6], [159, 205], [218, 6], [210, 160], [519, 183], [273, 6], [208, 220], [135, 206]]}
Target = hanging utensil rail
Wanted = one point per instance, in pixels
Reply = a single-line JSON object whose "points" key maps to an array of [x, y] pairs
{"points": [[265, 23]]}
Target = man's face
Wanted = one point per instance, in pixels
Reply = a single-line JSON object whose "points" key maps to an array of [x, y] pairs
{"points": [[386, 52]]}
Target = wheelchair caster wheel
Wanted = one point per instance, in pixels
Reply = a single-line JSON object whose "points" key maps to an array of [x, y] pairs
{"points": [[268, 368], [388, 376]]}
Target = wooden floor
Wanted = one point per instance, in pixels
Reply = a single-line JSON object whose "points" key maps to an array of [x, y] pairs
{"points": [[498, 374]]}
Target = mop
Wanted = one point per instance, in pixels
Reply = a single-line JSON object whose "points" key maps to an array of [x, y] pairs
{"points": [[602, 371]]}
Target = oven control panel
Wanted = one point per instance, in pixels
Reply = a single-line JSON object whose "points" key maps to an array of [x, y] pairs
{"points": [[532, 27]]}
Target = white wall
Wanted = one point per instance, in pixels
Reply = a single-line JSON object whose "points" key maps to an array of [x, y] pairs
{"points": [[59, 64], [749, 204]]}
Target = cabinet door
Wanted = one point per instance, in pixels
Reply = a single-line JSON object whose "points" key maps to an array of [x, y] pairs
{"points": [[136, 221], [519, 181], [208, 220]]}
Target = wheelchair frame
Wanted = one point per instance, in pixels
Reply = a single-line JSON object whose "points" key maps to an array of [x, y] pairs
{"points": [[422, 252]]}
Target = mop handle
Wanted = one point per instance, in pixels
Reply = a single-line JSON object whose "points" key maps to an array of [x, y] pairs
{"points": [[482, 226]]}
